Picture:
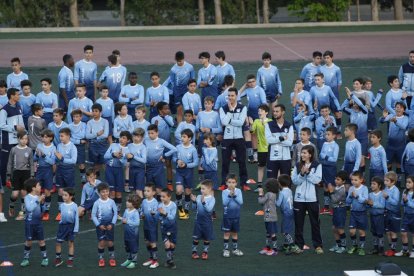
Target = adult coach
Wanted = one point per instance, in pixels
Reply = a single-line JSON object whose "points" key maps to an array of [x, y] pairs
{"points": [[11, 121], [279, 136], [406, 77], [233, 116]]}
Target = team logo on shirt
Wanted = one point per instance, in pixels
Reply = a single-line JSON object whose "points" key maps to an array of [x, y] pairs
{"points": [[26, 154]]}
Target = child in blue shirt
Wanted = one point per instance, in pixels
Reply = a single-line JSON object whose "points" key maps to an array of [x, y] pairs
{"points": [[304, 119], [78, 137], [27, 99], [191, 100], [68, 227], [209, 158], [376, 205], [57, 124], [167, 212], [89, 192], [357, 196], [203, 223], [407, 202], [104, 216], [353, 155], [123, 121], [137, 158], [268, 78], [377, 155], [33, 224], [208, 121], [149, 209], [17, 76], [232, 201], [140, 121], [322, 122], [322, 94], [372, 120], [85, 72], [132, 94], [82, 103], [206, 77], [407, 159], [155, 94], [186, 124], [108, 109], [310, 69], [392, 218], [47, 99], [114, 77], [394, 95], [131, 220]]}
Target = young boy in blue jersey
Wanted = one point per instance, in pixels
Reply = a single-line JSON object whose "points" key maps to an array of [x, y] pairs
{"points": [[352, 158], [78, 137], [97, 131], [398, 123], [324, 121], [203, 223], [47, 99], [372, 118], [149, 209], [57, 124], [3, 93], [206, 77], [140, 121], [27, 99], [337, 196], [310, 69], [14, 78], [394, 95], [68, 227], [322, 94], [86, 72], [46, 159], [222, 99], [268, 78], [66, 82], [304, 119], [116, 159], [357, 196], [328, 159], [132, 94], [376, 204], [186, 124], [137, 158], [191, 100], [113, 77], [159, 149], [407, 225], [223, 69], [155, 94], [377, 155], [208, 121], [66, 156], [407, 159], [167, 212], [104, 216], [186, 159], [108, 109], [131, 220], [165, 122], [89, 192], [232, 201], [33, 225], [208, 162], [82, 103], [392, 217], [123, 121], [300, 97]]}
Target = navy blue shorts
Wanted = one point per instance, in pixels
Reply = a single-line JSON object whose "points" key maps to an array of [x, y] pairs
{"points": [[153, 113], [253, 113], [157, 176], [151, 235], [212, 175], [372, 121], [115, 178], [394, 154], [88, 204], [319, 144], [97, 150], [184, 177], [379, 173], [131, 110], [90, 93], [111, 124], [271, 227], [65, 232], [81, 154], [271, 98], [408, 223], [408, 169], [288, 224], [392, 222], [358, 220], [169, 234], [65, 176], [339, 217], [203, 231], [328, 175], [332, 106], [105, 235], [230, 225], [34, 232], [349, 167], [48, 117], [364, 146], [132, 245], [45, 176], [136, 178], [173, 105], [377, 225]]}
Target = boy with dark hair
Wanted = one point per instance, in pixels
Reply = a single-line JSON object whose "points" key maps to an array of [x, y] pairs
{"points": [[137, 158], [222, 99], [337, 196], [108, 109], [36, 125], [155, 94], [14, 78], [89, 192], [132, 94], [3, 94], [66, 82], [82, 103], [27, 100], [140, 121], [47, 99], [268, 78], [392, 219], [223, 69], [394, 95], [78, 131], [85, 72], [207, 77], [407, 158], [377, 155], [114, 77], [191, 100], [186, 124], [208, 121], [57, 124], [324, 121], [352, 158], [310, 69]]}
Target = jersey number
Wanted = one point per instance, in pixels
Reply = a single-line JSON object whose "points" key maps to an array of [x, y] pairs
{"points": [[116, 78]]}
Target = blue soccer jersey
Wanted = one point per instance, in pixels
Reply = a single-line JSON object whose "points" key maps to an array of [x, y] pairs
{"points": [[85, 72], [149, 209], [33, 209], [179, 77], [66, 81], [269, 80], [69, 215], [104, 212], [205, 207], [114, 78], [232, 202], [13, 80]]}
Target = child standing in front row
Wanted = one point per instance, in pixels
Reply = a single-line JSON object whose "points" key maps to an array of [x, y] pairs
{"points": [[377, 155], [104, 216], [270, 215], [376, 202], [209, 159], [232, 202], [68, 227], [407, 202], [131, 219], [392, 217], [137, 158], [352, 158], [33, 224]]}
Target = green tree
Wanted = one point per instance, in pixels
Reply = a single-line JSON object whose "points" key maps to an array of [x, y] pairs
{"points": [[322, 10]]}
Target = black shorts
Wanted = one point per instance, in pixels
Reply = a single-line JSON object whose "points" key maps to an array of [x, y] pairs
{"points": [[262, 159], [18, 179]]}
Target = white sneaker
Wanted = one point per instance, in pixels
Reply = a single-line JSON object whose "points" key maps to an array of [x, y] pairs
{"points": [[255, 157], [412, 255], [226, 253], [333, 249], [147, 263], [154, 264], [2, 218], [238, 252]]}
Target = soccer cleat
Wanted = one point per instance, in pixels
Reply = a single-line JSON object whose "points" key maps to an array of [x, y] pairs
{"points": [[131, 265], [154, 264], [222, 187], [147, 262], [237, 252], [271, 252], [226, 253], [361, 252], [126, 263], [8, 184], [170, 265], [324, 211], [112, 262], [334, 248], [58, 262], [259, 213], [330, 212], [126, 189], [58, 217], [251, 159], [389, 253], [204, 256], [69, 263], [264, 251], [53, 189], [256, 190], [251, 181], [246, 188], [20, 216], [101, 262], [295, 249], [2, 218], [412, 255], [45, 217], [319, 250], [195, 256], [25, 263], [170, 187], [402, 253], [119, 217], [45, 262], [183, 215], [374, 251], [352, 250], [340, 250]]}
